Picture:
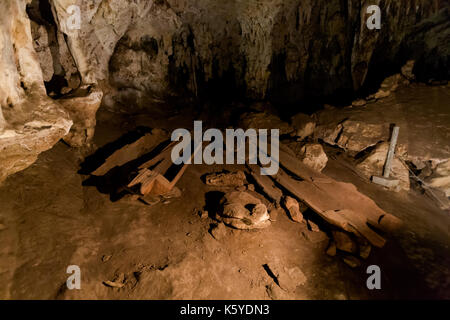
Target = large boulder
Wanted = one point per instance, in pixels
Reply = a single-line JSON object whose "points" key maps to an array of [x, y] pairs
{"points": [[354, 136]]}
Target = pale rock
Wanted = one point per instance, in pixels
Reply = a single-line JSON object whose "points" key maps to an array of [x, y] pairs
{"points": [[313, 155], [243, 211], [373, 164], [331, 250], [356, 136], [440, 178], [304, 125], [312, 226], [293, 208]]}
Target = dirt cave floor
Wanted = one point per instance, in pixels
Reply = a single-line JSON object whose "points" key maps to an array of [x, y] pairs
{"points": [[50, 219]]}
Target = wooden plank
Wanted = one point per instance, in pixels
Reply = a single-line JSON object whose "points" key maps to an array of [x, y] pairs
{"points": [[338, 203], [265, 183], [130, 152]]}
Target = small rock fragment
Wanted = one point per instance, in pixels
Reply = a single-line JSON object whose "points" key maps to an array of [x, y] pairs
{"points": [[293, 208], [344, 242], [312, 226], [106, 258], [331, 250], [352, 261], [117, 283], [203, 214]]}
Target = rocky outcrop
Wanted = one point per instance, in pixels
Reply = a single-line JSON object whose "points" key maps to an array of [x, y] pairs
{"points": [[30, 122], [82, 106]]}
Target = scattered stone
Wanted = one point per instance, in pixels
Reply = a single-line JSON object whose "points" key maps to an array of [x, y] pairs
{"points": [[313, 156], [119, 282], [312, 226], [106, 258], [364, 250], [241, 188], [218, 231], [331, 250], [231, 179], [203, 214], [344, 242], [293, 208], [352, 261], [373, 164], [251, 187], [304, 125], [359, 103]]}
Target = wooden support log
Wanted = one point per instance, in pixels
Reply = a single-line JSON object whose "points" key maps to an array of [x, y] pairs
{"points": [[131, 151]]}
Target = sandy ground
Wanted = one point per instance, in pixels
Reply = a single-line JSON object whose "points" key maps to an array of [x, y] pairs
{"points": [[51, 220]]}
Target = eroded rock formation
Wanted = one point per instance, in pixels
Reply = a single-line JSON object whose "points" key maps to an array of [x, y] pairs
{"points": [[30, 122]]}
